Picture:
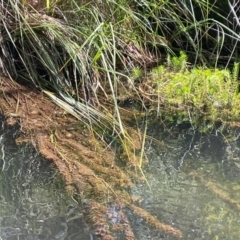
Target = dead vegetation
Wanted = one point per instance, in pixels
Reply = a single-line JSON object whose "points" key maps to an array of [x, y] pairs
{"points": [[88, 167]]}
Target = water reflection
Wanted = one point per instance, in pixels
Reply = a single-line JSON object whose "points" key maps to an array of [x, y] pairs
{"points": [[33, 203], [195, 182]]}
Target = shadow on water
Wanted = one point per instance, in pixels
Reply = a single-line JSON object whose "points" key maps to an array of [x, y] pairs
{"points": [[195, 182], [33, 203]]}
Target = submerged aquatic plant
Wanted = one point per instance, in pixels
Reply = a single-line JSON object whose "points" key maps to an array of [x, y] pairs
{"points": [[89, 167]]}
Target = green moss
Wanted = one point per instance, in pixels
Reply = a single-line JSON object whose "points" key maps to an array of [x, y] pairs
{"points": [[210, 93], [136, 73]]}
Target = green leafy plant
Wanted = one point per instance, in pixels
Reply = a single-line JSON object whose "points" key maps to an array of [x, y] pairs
{"points": [[212, 93]]}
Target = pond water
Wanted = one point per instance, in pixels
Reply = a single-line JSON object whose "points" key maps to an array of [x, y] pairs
{"points": [[194, 184], [33, 203], [194, 180]]}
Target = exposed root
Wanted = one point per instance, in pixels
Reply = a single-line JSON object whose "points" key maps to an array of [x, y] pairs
{"points": [[45, 148], [87, 166], [95, 217], [153, 221], [108, 220]]}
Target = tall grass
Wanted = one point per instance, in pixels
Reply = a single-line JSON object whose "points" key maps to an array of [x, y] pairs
{"points": [[207, 30], [84, 51], [78, 53]]}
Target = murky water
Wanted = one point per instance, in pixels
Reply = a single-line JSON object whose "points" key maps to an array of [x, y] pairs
{"points": [[194, 186]]}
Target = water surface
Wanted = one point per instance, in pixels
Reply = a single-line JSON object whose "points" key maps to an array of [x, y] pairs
{"points": [[190, 175], [182, 163], [33, 202]]}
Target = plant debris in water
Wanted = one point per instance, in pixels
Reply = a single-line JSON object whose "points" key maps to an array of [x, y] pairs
{"points": [[89, 168]]}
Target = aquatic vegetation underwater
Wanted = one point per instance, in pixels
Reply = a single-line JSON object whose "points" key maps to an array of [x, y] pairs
{"points": [[81, 60]]}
